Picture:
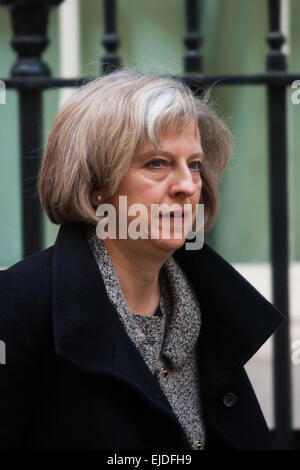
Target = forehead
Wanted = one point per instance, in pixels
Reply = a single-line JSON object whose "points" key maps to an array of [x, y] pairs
{"points": [[175, 131], [188, 138]]}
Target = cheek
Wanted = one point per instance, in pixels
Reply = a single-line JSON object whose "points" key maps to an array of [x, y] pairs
{"points": [[197, 195], [132, 189], [140, 189], [146, 193]]}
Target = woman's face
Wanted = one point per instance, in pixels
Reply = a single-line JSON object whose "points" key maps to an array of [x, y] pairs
{"points": [[170, 176]]}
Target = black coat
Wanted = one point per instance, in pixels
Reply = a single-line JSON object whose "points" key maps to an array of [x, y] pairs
{"points": [[74, 380]]}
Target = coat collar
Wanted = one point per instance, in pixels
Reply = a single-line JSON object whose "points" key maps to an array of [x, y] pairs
{"points": [[234, 311], [88, 332]]}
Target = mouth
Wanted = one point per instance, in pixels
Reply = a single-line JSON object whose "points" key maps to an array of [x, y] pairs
{"points": [[176, 215]]}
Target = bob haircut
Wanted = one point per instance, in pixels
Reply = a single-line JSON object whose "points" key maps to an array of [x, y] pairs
{"points": [[95, 135]]}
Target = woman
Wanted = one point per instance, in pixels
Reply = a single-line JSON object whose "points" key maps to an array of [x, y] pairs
{"points": [[131, 342]]}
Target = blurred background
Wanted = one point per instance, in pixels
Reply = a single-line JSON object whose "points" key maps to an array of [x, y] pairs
{"points": [[151, 34]]}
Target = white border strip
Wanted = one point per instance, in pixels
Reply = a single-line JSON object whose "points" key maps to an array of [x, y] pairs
{"points": [[69, 44], [285, 25]]}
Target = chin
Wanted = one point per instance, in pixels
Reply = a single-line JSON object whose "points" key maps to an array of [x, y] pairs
{"points": [[171, 244]]}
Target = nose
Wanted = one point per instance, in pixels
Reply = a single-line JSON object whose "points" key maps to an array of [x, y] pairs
{"points": [[184, 183]]}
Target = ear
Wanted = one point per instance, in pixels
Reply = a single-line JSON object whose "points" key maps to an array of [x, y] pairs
{"points": [[95, 198]]}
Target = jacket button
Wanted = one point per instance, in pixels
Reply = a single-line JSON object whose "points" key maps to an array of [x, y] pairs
{"points": [[229, 399], [164, 371], [198, 445]]}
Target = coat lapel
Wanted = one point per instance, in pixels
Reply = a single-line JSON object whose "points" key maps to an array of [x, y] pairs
{"points": [[235, 322], [233, 312]]}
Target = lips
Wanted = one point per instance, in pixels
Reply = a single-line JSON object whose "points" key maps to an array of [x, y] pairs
{"points": [[176, 214]]}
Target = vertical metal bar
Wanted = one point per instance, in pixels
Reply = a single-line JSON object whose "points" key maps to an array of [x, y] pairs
{"points": [[110, 39], [29, 22], [277, 136], [192, 39], [30, 110]]}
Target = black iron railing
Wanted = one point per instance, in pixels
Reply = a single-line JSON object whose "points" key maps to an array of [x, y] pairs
{"points": [[30, 76]]}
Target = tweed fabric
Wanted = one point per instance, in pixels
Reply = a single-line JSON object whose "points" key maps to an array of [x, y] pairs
{"points": [[166, 339]]}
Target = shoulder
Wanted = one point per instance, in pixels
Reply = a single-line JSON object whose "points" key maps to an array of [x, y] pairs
{"points": [[30, 276], [25, 296]]}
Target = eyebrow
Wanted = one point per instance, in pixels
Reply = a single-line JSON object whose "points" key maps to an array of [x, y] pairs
{"points": [[153, 153]]}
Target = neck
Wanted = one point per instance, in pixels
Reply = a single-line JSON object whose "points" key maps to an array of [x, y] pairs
{"points": [[138, 273]]}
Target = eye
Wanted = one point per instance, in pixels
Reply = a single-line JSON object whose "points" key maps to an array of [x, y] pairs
{"points": [[196, 165], [156, 163]]}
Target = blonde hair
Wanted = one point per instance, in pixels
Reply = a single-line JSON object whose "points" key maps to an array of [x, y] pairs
{"points": [[95, 135]]}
